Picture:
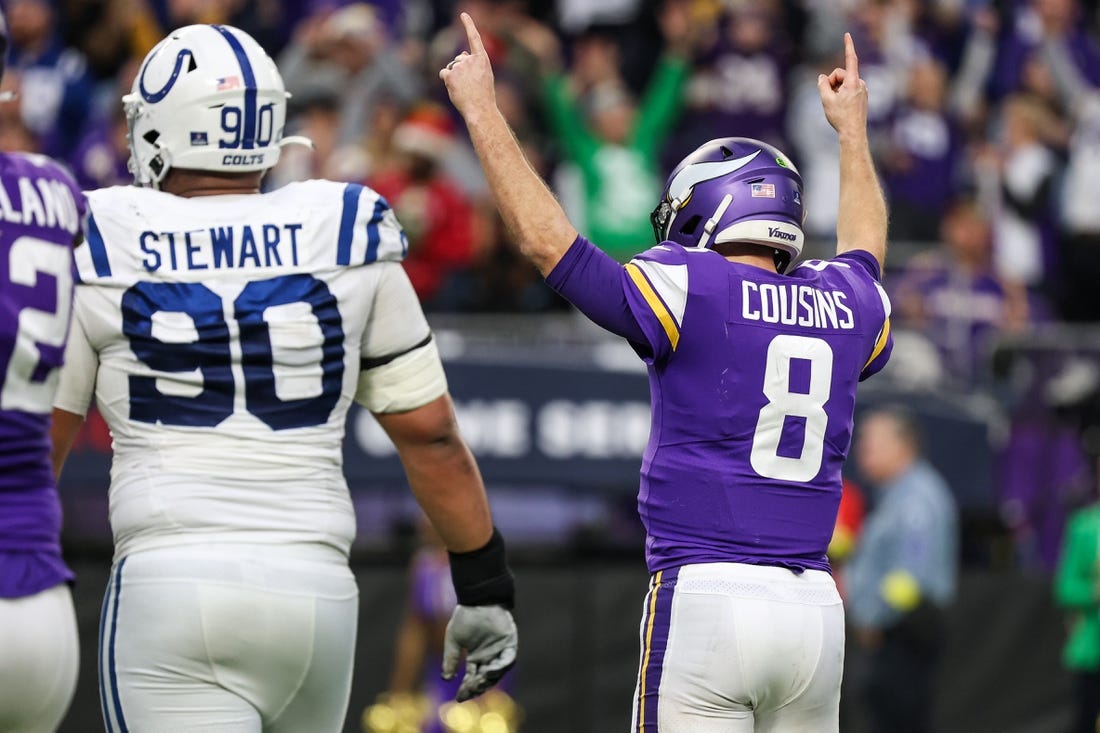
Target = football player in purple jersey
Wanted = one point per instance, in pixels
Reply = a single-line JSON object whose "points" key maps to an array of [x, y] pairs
{"points": [[753, 369], [41, 215]]}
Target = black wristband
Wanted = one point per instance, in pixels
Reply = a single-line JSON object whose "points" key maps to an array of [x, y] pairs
{"points": [[482, 577]]}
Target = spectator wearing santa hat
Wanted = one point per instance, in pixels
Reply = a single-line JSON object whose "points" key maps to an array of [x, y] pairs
{"points": [[437, 216]]}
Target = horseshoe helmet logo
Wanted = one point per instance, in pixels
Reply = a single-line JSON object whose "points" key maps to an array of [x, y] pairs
{"points": [[154, 97]]}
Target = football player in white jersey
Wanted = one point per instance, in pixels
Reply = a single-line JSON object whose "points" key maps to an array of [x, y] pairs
{"points": [[224, 333]]}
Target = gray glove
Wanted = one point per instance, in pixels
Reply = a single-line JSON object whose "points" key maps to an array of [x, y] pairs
{"points": [[488, 636]]}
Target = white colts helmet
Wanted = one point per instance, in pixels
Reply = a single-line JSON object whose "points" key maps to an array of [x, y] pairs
{"points": [[208, 98]]}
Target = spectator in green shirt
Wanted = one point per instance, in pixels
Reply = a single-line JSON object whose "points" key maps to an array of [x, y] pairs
{"points": [[1077, 589], [614, 140]]}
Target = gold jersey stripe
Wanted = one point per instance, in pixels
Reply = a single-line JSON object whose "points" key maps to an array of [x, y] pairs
{"points": [[663, 316], [883, 337]]}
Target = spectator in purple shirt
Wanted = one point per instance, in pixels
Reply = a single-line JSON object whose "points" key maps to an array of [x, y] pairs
{"points": [[739, 82], [56, 88], [921, 157], [100, 158], [953, 297], [1031, 21]]}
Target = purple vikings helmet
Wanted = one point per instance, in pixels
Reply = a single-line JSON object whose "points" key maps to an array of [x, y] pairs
{"points": [[733, 189]]}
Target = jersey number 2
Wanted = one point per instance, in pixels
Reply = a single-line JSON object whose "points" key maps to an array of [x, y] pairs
{"points": [[784, 403], [30, 379], [210, 353]]}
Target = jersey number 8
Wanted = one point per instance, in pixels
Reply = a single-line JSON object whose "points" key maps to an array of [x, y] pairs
{"points": [[212, 356], [784, 403]]}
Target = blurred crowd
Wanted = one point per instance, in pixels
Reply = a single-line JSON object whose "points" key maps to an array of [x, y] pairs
{"points": [[985, 117], [985, 122]]}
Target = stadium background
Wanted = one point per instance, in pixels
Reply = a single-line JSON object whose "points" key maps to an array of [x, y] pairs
{"points": [[986, 130]]}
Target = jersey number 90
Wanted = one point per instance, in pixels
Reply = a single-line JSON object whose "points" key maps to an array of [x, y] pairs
{"points": [[211, 353]]}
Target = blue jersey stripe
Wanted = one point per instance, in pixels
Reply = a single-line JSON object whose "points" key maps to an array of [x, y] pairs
{"points": [[248, 136], [374, 235], [347, 223], [111, 653], [97, 248]]}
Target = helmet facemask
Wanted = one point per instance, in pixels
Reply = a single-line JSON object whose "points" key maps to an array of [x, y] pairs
{"points": [[661, 218]]}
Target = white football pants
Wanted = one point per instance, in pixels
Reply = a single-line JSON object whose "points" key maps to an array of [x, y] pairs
{"points": [[734, 648], [39, 656], [233, 638]]}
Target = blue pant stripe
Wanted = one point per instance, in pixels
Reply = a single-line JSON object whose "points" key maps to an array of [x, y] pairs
{"points": [[111, 659], [102, 673]]}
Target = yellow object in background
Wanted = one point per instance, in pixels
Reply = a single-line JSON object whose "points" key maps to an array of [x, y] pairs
{"points": [[493, 712], [842, 544], [901, 590], [395, 713]]}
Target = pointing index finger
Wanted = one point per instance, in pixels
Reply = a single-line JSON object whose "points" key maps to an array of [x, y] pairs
{"points": [[851, 61], [472, 36]]}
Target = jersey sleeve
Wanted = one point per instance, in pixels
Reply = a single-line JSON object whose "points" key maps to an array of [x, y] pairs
{"points": [[884, 339], [400, 367], [862, 259], [865, 275], [369, 230], [108, 211], [884, 346], [90, 261], [657, 295], [76, 384], [642, 301]]}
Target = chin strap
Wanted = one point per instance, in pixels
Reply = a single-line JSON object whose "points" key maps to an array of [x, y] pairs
{"points": [[297, 140], [708, 228]]}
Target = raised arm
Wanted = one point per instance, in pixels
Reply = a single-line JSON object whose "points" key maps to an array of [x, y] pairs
{"points": [[1073, 88], [862, 217], [529, 209]]}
